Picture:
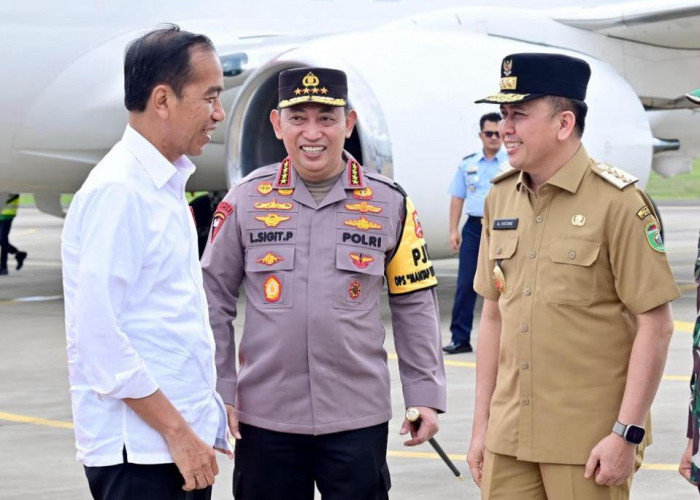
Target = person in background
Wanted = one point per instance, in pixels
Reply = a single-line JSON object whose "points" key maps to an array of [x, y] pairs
{"points": [[7, 216], [203, 207], [472, 182], [140, 350], [689, 466]]}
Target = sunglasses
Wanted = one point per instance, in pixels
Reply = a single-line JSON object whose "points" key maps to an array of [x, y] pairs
{"points": [[491, 135]]}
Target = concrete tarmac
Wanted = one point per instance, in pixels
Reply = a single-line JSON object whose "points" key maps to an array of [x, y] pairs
{"points": [[36, 439]]}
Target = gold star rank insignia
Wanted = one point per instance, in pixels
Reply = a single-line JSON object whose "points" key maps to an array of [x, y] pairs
{"points": [[272, 220], [363, 223]]}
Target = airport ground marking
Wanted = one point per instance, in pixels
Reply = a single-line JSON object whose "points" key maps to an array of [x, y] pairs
{"points": [[24, 419], [425, 455]]}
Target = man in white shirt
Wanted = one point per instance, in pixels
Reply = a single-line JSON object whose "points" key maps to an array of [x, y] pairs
{"points": [[140, 349]]}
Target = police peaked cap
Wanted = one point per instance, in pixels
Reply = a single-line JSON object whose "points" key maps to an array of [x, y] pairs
{"points": [[320, 85]]}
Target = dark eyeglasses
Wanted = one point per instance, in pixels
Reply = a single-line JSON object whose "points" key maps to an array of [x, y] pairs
{"points": [[491, 134]]}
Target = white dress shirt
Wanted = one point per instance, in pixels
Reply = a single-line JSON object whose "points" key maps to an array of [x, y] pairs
{"points": [[136, 314]]}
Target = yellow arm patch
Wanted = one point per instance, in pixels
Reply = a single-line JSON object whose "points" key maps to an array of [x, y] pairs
{"points": [[410, 268]]}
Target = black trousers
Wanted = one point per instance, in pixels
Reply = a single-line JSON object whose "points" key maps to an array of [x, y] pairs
{"points": [[349, 465], [5, 246], [128, 481]]}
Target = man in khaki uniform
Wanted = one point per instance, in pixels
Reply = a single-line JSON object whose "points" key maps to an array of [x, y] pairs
{"points": [[576, 319], [311, 239]]}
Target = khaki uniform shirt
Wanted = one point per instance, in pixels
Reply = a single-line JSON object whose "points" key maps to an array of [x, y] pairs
{"points": [[311, 356], [580, 260]]}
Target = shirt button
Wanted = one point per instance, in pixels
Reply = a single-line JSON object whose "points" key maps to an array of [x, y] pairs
{"points": [[532, 254], [525, 402], [527, 292], [524, 365], [499, 250], [572, 254], [539, 219], [523, 328]]}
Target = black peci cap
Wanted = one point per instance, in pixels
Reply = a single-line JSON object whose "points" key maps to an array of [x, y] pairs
{"points": [[530, 75], [319, 85]]}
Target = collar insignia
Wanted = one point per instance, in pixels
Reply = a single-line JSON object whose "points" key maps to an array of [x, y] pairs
{"points": [[285, 192], [272, 220], [284, 177], [355, 177], [363, 223]]}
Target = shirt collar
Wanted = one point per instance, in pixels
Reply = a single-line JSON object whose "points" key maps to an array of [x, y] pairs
{"points": [[501, 155], [569, 176], [159, 169], [352, 177]]}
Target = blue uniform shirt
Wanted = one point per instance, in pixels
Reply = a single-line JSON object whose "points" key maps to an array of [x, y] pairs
{"points": [[473, 179]]}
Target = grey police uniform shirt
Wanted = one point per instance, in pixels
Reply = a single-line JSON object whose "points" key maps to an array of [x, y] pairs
{"points": [[311, 357]]}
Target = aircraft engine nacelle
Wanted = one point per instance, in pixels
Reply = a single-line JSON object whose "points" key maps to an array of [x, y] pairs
{"points": [[414, 91]]}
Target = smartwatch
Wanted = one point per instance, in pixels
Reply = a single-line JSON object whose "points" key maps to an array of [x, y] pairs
{"points": [[630, 433]]}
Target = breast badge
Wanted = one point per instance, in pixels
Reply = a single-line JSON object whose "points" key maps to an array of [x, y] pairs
{"points": [[578, 220], [265, 188], [361, 261], [363, 224], [355, 290], [363, 194], [363, 207], [272, 220], [499, 279], [273, 205], [272, 289], [270, 259]]}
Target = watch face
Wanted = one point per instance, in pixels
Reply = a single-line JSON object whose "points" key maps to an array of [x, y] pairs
{"points": [[634, 434]]}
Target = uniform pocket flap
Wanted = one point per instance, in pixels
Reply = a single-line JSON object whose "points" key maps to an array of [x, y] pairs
{"points": [[503, 247], [279, 258], [573, 251], [359, 260]]}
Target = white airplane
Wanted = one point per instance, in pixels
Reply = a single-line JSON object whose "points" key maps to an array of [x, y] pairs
{"points": [[413, 82]]}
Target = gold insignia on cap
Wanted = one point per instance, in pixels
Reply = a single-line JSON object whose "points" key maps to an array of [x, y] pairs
{"points": [[507, 67], [273, 220], [310, 80], [363, 223], [578, 220], [509, 83]]}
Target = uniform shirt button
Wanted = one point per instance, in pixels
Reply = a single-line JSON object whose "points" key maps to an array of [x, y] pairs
{"points": [[539, 219], [532, 254], [523, 328], [525, 402], [527, 292], [524, 365], [572, 254], [499, 250]]}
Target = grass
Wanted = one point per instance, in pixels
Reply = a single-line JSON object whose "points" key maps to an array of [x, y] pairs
{"points": [[678, 187]]}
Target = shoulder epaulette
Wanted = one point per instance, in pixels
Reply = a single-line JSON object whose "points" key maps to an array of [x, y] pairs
{"points": [[265, 171], [376, 176], [618, 178], [468, 156], [504, 174]]}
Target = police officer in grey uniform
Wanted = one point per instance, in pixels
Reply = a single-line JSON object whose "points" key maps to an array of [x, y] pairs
{"points": [[311, 239]]}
